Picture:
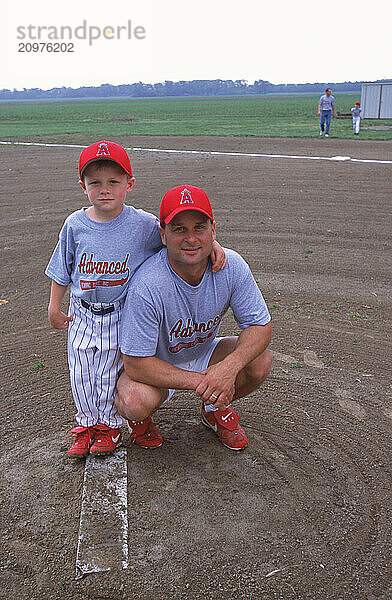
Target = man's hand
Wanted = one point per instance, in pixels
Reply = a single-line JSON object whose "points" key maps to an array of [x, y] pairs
{"points": [[218, 385], [218, 257], [58, 319]]}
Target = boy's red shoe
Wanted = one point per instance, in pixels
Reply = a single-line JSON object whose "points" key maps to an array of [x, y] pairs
{"points": [[145, 433], [106, 440], [84, 437], [226, 425]]}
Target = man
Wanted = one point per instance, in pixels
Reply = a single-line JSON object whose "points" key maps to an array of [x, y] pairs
{"points": [[326, 110], [171, 318]]}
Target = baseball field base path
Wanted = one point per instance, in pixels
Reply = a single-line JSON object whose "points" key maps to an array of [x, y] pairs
{"points": [[103, 532]]}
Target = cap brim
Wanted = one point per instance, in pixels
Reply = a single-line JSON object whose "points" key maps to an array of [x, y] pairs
{"points": [[99, 158], [180, 209]]}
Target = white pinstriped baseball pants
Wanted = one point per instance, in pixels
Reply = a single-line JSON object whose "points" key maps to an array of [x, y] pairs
{"points": [[356, 123], [94, 360]]}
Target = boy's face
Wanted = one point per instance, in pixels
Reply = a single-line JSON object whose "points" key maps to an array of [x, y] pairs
{"points": [[106, 188]]}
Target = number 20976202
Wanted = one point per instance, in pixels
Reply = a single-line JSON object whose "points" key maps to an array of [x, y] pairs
{"points": [[46, 47]]}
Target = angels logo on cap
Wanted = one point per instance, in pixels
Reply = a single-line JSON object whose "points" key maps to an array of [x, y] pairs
{"points": [[184, 197], [104, 150]]}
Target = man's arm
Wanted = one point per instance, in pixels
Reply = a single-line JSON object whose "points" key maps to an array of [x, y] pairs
{"points": [[252, 342], [319, 109], [158, 373], [219, 379]]}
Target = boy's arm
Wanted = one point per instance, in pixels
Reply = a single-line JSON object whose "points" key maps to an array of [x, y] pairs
{"points": [[57, 318], [218, 257]]}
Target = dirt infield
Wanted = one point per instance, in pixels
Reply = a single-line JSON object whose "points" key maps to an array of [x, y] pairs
{"points": [[305, 511]]}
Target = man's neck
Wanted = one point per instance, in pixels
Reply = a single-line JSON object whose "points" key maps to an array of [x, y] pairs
{"points": [[191, 275]]}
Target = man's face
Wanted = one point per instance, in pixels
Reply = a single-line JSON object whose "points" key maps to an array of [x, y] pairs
{"points": [[328, 92], [106, 188], [188, 237]]}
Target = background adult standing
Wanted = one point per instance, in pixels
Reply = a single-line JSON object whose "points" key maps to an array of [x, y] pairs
{"points": [[326, 110]]}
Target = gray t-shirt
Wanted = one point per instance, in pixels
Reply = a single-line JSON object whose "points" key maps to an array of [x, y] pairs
{"points": [[327, 102], [166, 317], [98, 260]]}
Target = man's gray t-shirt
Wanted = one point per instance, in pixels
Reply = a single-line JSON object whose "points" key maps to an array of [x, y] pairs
{"points": [[327, 102], [168, 318]]}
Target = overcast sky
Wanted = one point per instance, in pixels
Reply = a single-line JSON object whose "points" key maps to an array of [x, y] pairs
{"points": [[279, 41]]}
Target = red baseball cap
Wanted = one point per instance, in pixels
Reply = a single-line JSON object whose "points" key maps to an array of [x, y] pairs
{"points": [[358, 103], [184, 197], [104, 150]]}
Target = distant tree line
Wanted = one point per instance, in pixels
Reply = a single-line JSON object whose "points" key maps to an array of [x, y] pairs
{"points": [[217, 87]]}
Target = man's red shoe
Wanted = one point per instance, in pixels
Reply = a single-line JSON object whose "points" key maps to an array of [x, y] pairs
{"points": [[226, 425], [84, 437], [106, 440], [145, 433]]}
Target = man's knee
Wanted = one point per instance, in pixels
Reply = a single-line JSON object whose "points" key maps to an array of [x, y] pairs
{"points": [[135, 400], [259, 369]]}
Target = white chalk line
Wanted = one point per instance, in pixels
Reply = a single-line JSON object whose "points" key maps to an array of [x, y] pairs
{"points": [[216, 153], [103, 528]]}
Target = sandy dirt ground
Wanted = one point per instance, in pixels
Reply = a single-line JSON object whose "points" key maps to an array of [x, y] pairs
{"points": [[305, 511]]}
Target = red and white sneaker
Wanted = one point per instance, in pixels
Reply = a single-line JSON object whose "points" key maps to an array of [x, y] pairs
{"points": [[226, 425], [83, 441], [145, 433], [106, 440]]}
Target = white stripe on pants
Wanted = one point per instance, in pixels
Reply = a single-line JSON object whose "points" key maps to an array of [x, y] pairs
{"points": [[94, 360], [356, 122]]}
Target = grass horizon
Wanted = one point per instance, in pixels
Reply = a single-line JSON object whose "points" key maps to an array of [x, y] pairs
{"points": [[292, 115]]}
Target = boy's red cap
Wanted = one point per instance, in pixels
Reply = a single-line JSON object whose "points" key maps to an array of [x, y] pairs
{"points": [[104, 150], [184, 197], [358, 103]]}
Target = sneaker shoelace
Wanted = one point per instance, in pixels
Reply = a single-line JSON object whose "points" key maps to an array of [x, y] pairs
{"points": [[80, 431], [102, 435]]}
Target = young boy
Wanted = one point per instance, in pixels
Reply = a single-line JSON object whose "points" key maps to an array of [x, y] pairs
{"points": [[99, 249], [356, 110]]}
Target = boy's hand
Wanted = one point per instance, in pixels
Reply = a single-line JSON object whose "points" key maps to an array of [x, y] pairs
{"points": [[218, 257], [58, 319]]}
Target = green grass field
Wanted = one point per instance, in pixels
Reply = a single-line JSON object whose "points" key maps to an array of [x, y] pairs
{"points": [[267, 116]]}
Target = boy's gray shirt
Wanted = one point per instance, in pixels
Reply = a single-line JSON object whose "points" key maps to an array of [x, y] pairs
{"points": [[97, 259], [168, 318]]}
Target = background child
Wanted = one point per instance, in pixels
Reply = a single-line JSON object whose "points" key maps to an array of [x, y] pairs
{"points": [[98, 251], [356, 110]]}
